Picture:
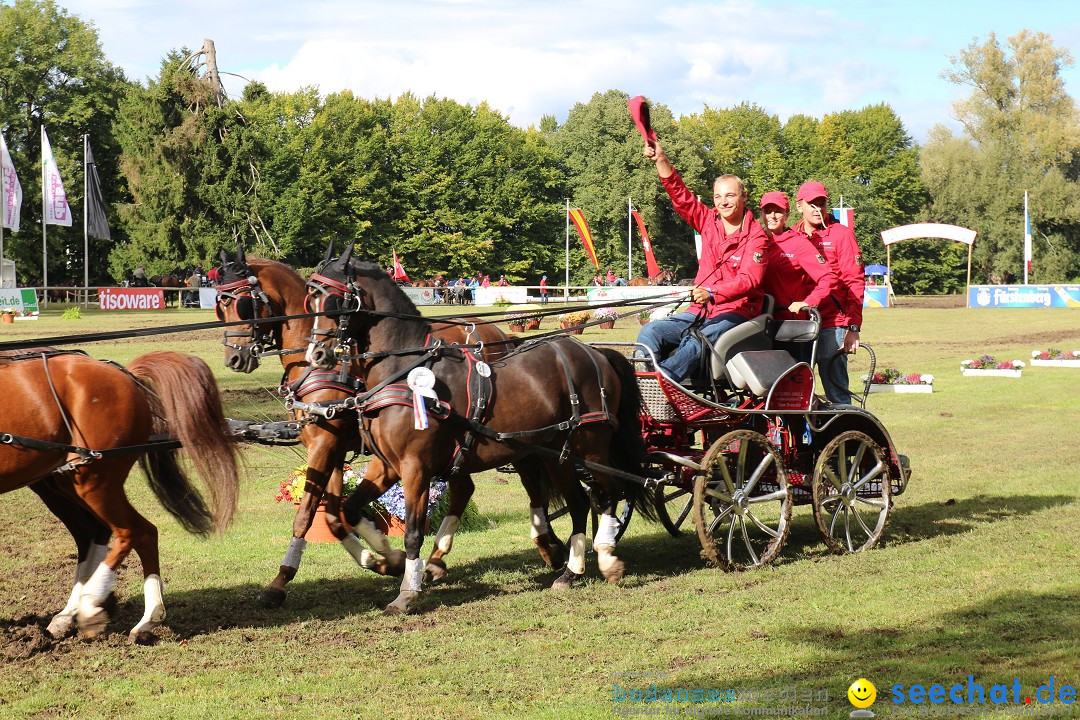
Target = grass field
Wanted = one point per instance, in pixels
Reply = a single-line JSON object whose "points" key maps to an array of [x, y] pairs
{"points": [[978, 575]]}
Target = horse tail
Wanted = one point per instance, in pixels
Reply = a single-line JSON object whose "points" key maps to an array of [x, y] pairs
{"points": [[186, 405], [627, 443]]}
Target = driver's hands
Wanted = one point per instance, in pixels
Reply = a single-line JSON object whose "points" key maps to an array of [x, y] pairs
{"points": [[700, 295], [797, 307]]}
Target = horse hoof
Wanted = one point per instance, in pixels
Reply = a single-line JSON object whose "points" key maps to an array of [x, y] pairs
{"points": [[567, 580], [402, 604], [143, 635], [91, 624], [61, 625], [614, 572], [435, 572], [271, 597]]}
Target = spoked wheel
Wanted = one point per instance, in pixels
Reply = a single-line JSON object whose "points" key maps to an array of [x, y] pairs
{"points": [[742, 502], [673, 505], [852, 492]]}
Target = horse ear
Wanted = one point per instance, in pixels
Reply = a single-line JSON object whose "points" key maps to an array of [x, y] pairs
{"points": [[240, 258], [329, 253], [224, 257], [346, 256]]}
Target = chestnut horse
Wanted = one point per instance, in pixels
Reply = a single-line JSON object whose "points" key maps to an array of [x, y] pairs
{"points": [[664, 277], [251, 288], [81, 425], [565, 402]]}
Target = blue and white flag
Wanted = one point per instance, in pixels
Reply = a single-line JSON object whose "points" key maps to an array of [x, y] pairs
{"points": [[12, 208], [57, 210]]}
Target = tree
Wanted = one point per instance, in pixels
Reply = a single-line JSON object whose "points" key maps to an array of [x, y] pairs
{"points": [[53, 72], [1021, 132]]}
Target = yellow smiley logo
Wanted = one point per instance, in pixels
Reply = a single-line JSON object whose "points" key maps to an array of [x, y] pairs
{"points": [[862, 693]]}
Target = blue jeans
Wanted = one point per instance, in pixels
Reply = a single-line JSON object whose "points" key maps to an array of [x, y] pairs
{"points": [[834, 373], [672, 332]]}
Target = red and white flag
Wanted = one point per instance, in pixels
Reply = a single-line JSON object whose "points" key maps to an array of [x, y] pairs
{"points": [[650, 259], [12, 190], [57, 210], [399, 272]]}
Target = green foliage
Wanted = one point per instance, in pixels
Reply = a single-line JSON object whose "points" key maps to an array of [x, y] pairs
{"points": [[1021, 132], [73, 313]]}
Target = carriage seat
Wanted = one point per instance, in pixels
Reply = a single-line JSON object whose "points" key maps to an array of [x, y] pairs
{"points": [[750, 335], [759, 370], [796, 331]]}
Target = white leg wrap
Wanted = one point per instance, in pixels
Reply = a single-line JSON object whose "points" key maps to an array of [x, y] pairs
{"points": [[444, 539], [98, 587], [62, 621], [373, 536], [154, 603], [294, 553], [414, 575], [576, 564], [94, 557], [539, 521], [352, 545], [605, 558], [605, 534]]}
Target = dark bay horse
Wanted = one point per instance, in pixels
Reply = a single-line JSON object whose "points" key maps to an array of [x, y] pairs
{"points": [[72, 427], [558, 400], [664, 277], [279, 291]]}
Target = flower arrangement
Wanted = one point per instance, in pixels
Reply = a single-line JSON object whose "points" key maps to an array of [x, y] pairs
{"points": [[516, 318], [645, 315], [577, 317], [606, 314], [892, 376], [988, 362], [502, 302], [536, 315], [292, 489], [8, 311], [1053, 354]]}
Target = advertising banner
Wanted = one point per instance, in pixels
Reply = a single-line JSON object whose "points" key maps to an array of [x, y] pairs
{"points": [[131, 299], [613, 293], [420, 295], [487, 296], [1024, 296], [22, 299], [875, 296]]}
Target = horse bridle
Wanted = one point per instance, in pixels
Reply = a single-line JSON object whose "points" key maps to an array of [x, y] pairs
{"points": [[321, 289], [243, 291]]}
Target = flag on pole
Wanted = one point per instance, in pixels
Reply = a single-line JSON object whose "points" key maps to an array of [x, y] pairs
{"points": [[1027, 239], [12, 190], [399, 271], [57, 210], [578, 218], [97, 224], [650, 259], [846, 216]]}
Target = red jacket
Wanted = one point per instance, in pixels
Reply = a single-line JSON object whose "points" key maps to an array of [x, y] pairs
{"points": [[731, 266], [837, 243], [797, 272]]}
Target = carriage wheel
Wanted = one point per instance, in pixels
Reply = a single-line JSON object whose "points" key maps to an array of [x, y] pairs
{"points": [[739, 522], [852, 493], [673, 505]]}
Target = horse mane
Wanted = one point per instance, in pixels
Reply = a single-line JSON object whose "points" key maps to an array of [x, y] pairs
{"points": [[390, 294]]}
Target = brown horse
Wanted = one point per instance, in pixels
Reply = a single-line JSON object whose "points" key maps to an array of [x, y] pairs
{"points": [[562, 398], [664, 277], [278, 291], [56, 400]]}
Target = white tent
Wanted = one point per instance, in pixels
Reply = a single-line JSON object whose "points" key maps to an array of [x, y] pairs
{"points": [[7, 277]]}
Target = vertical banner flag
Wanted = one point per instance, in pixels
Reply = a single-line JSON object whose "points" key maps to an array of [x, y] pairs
{"points": [[57, 211], [399, 271], [97, 224], [650, 259], [1027, 240], [12, 190], [578, 218]]}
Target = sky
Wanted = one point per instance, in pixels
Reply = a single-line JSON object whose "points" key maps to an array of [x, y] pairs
{"points": [[530, 58]]}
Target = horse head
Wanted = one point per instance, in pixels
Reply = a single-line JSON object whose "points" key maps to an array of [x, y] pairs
{"points": [[241, 297], [353, 296]]}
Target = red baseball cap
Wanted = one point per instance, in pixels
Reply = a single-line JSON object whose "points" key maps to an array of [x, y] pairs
{"points": [[775, 198], [812, 191]]}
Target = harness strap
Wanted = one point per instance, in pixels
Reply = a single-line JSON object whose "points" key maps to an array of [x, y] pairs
{"points": [[480, 391]]}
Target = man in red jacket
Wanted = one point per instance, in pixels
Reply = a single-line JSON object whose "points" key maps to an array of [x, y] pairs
{"points": [[727, 287], [841, 312]]}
